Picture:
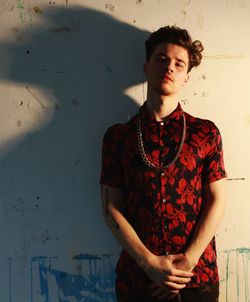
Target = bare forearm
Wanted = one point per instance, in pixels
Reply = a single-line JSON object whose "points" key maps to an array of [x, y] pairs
{"points": [[207, 224], [123, 231]]}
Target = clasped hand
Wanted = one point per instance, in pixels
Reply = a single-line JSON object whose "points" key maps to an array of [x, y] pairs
{"points": [[169, 274]]}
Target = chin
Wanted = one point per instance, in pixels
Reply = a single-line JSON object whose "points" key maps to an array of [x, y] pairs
{"points": [[165, 92]]}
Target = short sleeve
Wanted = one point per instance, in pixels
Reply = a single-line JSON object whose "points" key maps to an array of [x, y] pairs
{"points": [[214, 168], [111, 169]]}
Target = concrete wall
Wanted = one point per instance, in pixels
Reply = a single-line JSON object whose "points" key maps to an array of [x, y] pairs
{"points": [[68, 70]]}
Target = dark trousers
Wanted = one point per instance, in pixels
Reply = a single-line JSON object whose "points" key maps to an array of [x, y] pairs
{"points": [[209, 293]]}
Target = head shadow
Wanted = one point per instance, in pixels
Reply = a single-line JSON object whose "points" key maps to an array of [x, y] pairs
{"points": [[72, 69]]}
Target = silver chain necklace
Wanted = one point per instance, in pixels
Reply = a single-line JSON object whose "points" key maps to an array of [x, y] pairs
{"points": [[142, 149]]}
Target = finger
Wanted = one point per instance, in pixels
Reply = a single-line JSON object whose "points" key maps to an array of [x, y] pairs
{"points": [[178, 280], [181, 273], [176, 257], [174, 286]]}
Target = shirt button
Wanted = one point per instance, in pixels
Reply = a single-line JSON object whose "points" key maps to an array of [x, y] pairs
{"points": [[164, 200], [162, 123], [162, 173], [165, 227]]}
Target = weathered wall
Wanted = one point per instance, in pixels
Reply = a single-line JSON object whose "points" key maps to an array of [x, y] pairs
{"points": [[68, 70]]}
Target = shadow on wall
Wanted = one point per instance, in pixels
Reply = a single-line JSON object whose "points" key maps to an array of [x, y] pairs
{"points": [[71, 71]]}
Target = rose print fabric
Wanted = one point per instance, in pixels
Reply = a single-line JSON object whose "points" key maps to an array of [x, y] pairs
{"points": [[163, 206]]}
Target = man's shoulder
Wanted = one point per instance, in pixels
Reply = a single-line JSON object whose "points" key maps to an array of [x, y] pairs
{"points": [[200, 123], [121, 130]]}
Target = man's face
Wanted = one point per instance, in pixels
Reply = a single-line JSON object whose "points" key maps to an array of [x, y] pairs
{"points": [[167, 69]]}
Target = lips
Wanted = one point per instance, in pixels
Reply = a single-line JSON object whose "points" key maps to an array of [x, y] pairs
{"points": [[168, 78]]}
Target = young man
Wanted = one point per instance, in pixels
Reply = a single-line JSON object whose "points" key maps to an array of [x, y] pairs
{"points": [[162, 186]]}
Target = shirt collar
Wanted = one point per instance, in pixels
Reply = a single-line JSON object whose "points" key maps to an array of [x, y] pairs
{"points": [[148, 118]]}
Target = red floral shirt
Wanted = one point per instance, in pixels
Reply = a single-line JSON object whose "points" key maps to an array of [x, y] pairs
{"points": [[163, 206]]}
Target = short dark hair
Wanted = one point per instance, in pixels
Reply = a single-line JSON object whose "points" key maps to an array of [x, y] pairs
{"points": [[177, 36]]}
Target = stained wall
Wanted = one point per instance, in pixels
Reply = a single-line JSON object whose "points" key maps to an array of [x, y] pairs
{"points": [[68, 70]]}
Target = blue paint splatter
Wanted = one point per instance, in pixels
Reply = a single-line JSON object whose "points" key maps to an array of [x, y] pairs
{"points": [[94, 284]]}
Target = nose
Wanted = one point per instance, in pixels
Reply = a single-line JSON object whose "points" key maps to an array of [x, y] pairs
{"points": [[169, 66]]}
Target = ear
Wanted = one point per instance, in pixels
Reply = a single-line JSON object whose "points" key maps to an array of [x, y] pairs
{"points": [[186, 79]]}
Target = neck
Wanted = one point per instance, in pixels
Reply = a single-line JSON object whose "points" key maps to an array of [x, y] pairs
{"points": [[161, 106]]}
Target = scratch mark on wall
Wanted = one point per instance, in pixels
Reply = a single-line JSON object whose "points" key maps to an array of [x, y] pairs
{"points": [[60, 29], [200, 21], [225, 56], [36, 97], [236, 178], [6, 7]]}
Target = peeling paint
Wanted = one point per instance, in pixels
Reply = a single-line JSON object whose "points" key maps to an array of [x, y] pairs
{"points": [[37, 10], [205, 94], [25, 13], [19, 123], [139, 2], [185, 101], [6, 7], [110, 7]]}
